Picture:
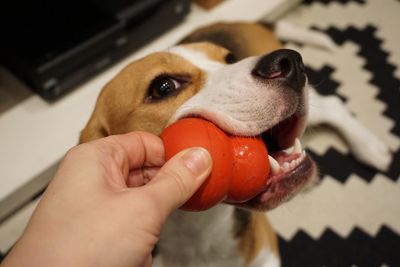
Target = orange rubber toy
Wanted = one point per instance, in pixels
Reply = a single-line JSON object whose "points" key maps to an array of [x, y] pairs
{"points": [[240, 164]]}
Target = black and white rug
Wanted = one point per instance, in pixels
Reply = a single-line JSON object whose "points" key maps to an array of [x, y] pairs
{"points": [[352, 218]]}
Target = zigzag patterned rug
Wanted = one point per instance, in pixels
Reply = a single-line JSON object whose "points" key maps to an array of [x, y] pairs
{"points": [[352, 218]]}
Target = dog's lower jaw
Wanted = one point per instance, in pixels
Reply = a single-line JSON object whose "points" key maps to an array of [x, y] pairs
{"points": [[283, 190]]}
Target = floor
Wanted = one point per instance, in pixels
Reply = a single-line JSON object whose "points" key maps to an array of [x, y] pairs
{"points": [[352, 218]]}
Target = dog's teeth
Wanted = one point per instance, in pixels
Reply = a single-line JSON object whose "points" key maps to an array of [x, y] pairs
{"points": [[275, 168], [289, 150], [292, 164], [286, 166], [297, 146]]}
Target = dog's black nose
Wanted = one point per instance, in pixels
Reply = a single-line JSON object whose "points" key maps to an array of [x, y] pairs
{"points": [[284, 64]]}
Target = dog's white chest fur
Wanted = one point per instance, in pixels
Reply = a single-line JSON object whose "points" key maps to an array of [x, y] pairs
{"points": [[205, 239], [199, 239]]}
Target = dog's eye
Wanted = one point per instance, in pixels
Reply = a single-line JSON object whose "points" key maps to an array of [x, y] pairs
{"points": [[230, 58], [163, 86]]}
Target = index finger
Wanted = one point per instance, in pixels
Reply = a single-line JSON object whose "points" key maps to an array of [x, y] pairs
{"points": [[134, 150]]}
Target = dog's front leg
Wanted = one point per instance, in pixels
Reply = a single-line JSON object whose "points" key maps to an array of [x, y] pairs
{"points": [[364, 145]]}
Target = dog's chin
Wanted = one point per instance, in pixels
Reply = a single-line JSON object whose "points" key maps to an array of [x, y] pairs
{"points": [[283, 186]]}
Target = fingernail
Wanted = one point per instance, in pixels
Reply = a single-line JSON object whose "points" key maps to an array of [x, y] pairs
{"points": [[197, 160]]}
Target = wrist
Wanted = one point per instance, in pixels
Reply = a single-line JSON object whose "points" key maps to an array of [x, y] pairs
{"points": [[38, 248]]}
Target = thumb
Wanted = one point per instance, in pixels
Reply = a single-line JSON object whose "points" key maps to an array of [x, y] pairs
{"points": [[180, 177]]}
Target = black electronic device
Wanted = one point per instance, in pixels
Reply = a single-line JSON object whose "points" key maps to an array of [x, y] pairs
{"points": [[55, 45]]}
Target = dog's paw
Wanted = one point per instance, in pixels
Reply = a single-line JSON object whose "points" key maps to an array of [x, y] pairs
{"points": [[371, 150]]}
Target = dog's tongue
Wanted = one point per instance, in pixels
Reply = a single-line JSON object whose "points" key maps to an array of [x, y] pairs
{"points": [[240, 164]]}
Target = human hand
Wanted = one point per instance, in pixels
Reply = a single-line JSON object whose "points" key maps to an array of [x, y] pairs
{"points": [[107, 203]]}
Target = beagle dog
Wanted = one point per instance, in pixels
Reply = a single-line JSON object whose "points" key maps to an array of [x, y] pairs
{"points": [[237, 76]]}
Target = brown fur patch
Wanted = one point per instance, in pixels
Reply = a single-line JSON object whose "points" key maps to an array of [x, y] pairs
{"points": [[243, 39], [121, 106], [257, 236]]}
